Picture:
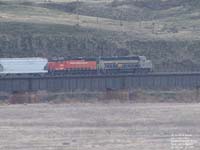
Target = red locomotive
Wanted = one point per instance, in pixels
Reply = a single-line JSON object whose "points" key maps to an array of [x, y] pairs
{"points": [[72, 65]]}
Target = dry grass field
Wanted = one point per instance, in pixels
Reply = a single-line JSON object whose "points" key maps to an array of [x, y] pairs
{"points": [[98, 126]]}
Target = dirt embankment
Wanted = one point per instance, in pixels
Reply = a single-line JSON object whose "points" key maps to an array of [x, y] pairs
{"points": [[139, 96]]}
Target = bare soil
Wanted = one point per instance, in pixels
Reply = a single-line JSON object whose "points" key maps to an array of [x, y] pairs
{"points": [[97, 126]]}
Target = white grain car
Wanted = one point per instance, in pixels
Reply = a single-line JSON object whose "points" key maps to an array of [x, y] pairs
{"points": [[32, 65]]}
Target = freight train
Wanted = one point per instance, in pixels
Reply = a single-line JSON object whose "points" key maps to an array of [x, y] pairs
{"points": [[75, 65]]}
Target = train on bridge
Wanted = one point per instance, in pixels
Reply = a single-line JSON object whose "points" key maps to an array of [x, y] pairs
{"points": [[75, 65]]}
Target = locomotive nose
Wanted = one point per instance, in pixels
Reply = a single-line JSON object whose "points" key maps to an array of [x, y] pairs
{"points": [[1, 68]]}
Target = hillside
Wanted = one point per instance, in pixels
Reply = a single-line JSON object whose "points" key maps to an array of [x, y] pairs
{"points": [[166, 31]]}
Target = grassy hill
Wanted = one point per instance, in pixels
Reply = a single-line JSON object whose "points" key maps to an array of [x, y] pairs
{"points": [[166, 31]]}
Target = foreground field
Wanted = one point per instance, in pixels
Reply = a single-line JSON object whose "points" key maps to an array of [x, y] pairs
{"points": [[100, 126]]}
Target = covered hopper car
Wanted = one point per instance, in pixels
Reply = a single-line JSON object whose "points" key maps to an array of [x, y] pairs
{"points": [[18, 66]]}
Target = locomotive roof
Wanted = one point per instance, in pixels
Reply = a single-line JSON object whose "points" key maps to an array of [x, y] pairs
{"points": [[96, 58], [23, 59], [121, 57], [73, 58]]}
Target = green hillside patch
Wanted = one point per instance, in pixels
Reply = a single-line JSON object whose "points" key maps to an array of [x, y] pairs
{"points": [[24, 39]]}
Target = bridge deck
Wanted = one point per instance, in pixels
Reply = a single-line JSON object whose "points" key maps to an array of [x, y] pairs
{"points": [[101, 82]]}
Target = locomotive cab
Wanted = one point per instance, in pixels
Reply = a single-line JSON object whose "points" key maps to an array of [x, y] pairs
{"points": [[145, 64]]}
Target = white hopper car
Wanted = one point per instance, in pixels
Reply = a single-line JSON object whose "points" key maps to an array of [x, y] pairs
{"points": [[33, 65]]}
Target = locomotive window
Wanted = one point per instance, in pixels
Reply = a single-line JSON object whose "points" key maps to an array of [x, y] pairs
{"points": [[110, 65], [126, 65], [132, 65], [107, 65]]}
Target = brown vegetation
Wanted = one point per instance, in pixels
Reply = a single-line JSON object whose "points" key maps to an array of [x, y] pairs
{"points": [[136, 96]]}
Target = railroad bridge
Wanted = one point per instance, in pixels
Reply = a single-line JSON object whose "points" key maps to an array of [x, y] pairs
{"points": [[153, 81]]}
